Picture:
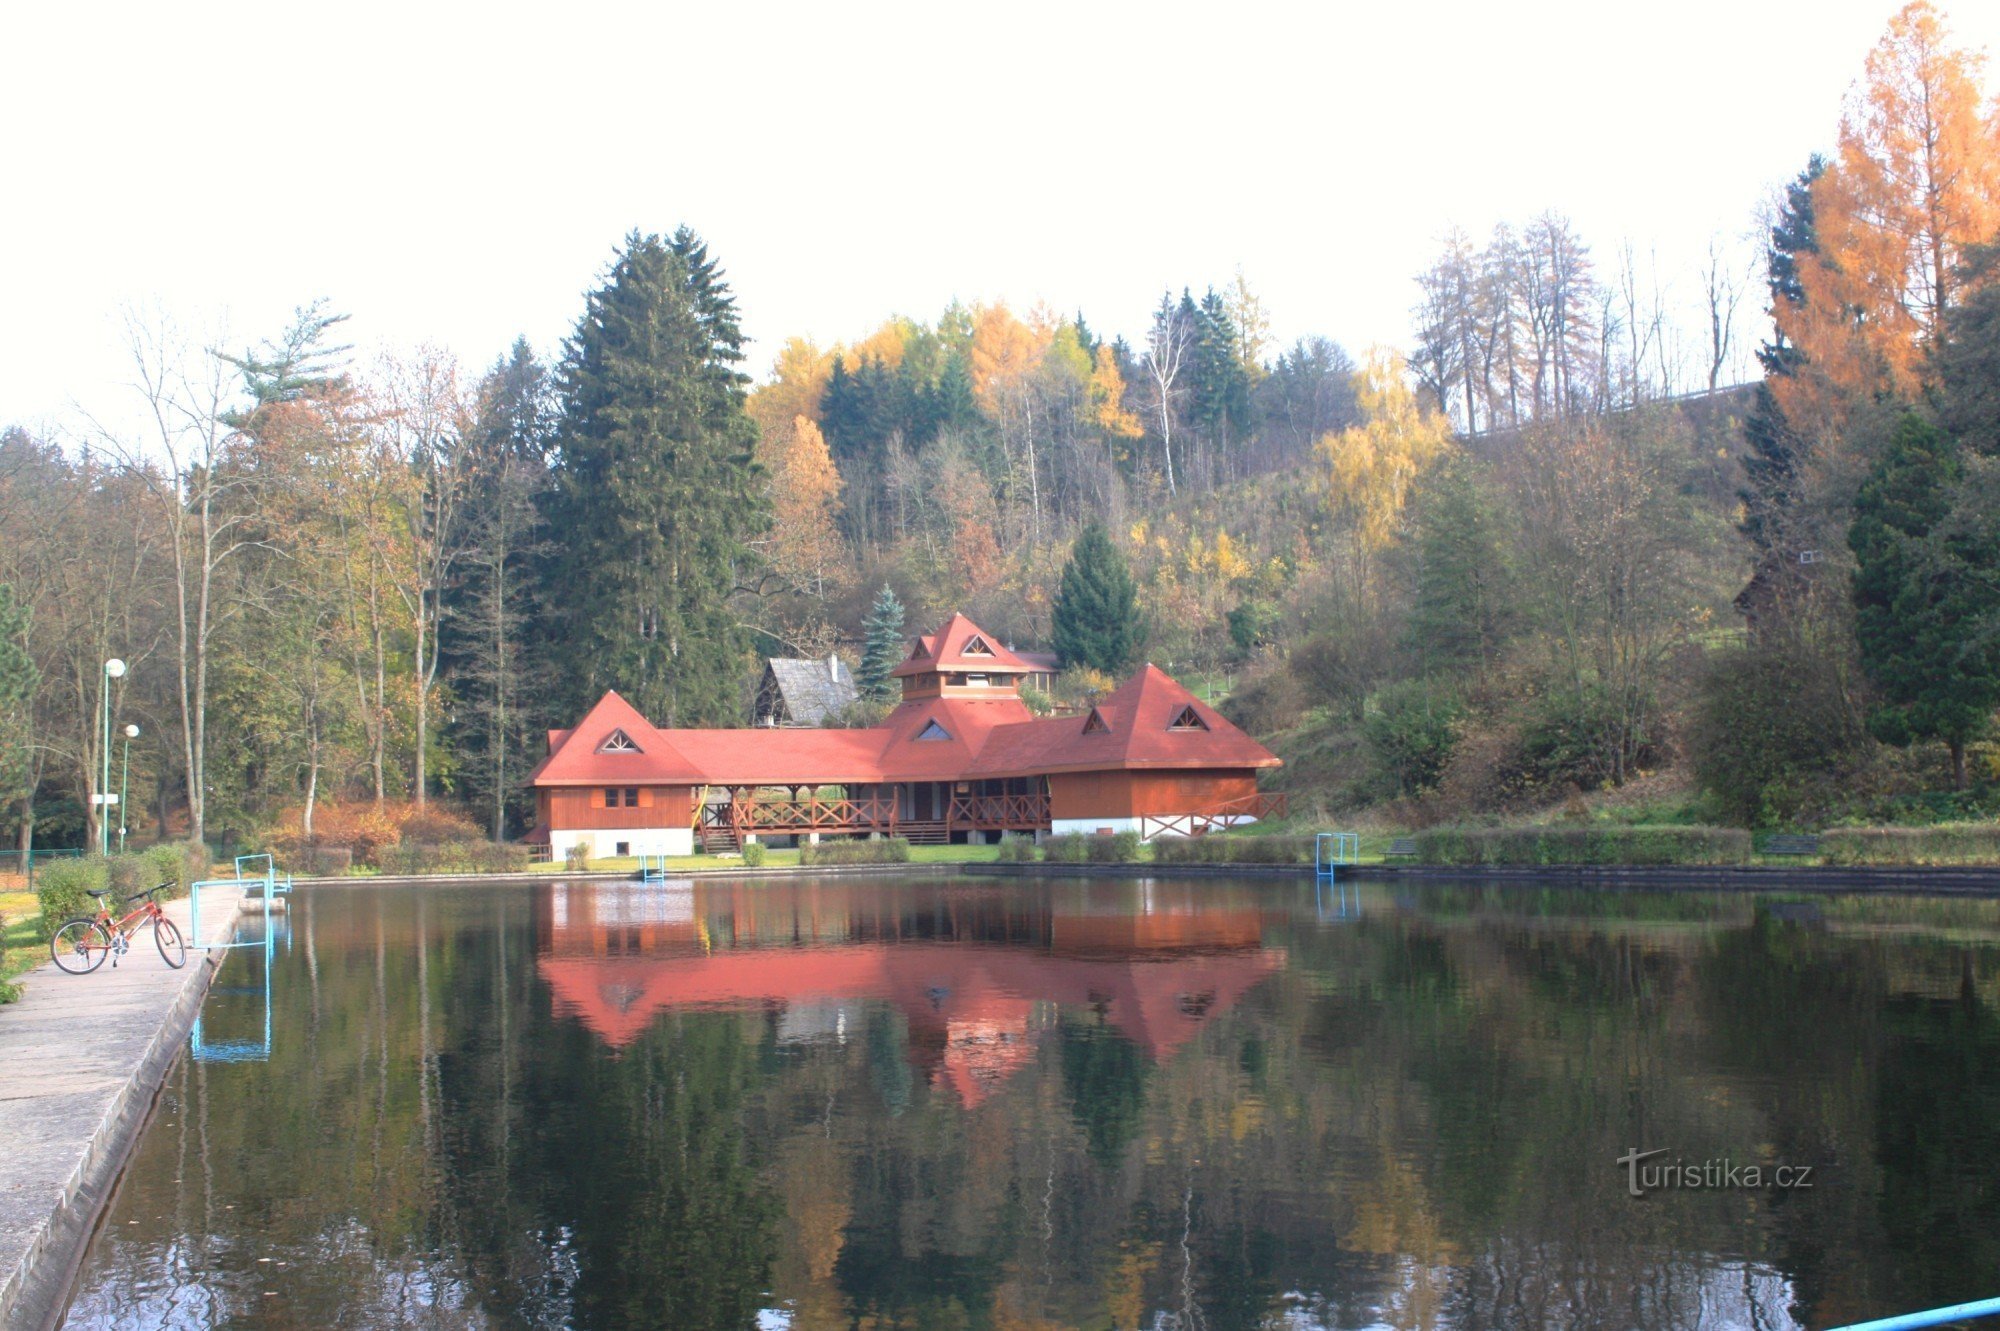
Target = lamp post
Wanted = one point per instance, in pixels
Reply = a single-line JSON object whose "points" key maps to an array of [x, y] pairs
{"points": [[125, 784], [113, 669]]}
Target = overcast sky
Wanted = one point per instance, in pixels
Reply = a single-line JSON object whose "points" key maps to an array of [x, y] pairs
{"points": [[460, 174]]}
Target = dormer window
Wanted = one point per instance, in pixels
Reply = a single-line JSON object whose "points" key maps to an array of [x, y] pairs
{"points": [[618, 742], [932, 730], [1095, 724], [1187, 719], [976, 646]]}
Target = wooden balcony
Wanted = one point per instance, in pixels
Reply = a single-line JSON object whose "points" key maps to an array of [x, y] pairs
{"points": [[760, 815]]}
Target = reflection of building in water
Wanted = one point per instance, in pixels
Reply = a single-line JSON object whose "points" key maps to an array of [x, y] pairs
{"points": [[978, 982]]}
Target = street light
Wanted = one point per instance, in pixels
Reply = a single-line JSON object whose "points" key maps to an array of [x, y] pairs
{"points": [[113, 669], [125, 784]]}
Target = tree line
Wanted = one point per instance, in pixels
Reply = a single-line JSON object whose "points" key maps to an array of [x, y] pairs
{"points": [[1510, 563]]}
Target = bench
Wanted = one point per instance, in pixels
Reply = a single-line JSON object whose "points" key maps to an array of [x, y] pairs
{"points": [[1401, 846], [1789, 843]]}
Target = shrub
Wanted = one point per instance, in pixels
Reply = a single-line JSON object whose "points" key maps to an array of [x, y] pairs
{"points": [[1773, 730], [179, 864], [1943, 844], [63, 888], [1221, 849], [894, 850], [1037, 702], [1069, 848], [1609, 845], [1080, 686], [1583, 737], [1017, 850], [434, 825], [1411, 728], [1268, 702], [753, 853], [1118, 848], [577, 857]]}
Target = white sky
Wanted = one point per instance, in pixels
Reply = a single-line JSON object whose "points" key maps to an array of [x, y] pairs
{"points": [[460, 174]]}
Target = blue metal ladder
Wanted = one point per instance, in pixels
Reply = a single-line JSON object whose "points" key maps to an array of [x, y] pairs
{"points": [[1333, 851]]}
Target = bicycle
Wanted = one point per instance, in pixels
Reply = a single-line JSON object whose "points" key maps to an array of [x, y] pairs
{"points": [[80, 945]]}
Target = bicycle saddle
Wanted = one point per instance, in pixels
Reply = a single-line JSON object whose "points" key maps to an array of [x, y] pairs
{"points": [[98, 891]]}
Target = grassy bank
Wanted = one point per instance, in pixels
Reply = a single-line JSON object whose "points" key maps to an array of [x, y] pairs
{"points": [[21, 945]]}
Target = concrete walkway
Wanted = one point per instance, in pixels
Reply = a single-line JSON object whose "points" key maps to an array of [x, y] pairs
{"points": [[81, 1058]]}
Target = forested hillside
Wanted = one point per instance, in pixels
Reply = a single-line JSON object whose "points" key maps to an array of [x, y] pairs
{"points": [[1545, 551]]}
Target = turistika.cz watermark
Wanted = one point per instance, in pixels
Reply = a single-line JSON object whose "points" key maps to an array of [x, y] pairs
{"points": [[1678, 1175]]}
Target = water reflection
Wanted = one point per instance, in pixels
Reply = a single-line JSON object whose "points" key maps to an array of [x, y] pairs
{"points": [[851, 1104]]}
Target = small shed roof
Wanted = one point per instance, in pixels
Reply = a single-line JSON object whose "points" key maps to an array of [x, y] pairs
{"points": [[812, 690]]}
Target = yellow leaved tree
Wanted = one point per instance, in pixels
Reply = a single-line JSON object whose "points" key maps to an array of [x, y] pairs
{"points": [[1368, 469], [804, 488]]}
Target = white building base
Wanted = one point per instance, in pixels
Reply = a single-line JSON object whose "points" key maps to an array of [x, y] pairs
{"points": [[1092, 826], [606, 843], [1148, 828]]}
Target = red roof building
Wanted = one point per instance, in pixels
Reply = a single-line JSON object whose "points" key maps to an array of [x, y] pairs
{"points": [[960, 758]]}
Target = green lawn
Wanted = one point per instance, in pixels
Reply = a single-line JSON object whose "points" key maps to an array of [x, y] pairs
{"points": [[22, 948]]}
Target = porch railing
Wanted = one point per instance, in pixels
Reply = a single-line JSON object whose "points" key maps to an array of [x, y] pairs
{"points": [[757, 815], [1220, 817]]}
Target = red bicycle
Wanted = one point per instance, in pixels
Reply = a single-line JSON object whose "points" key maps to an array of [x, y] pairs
{"points": [[81, 944]]}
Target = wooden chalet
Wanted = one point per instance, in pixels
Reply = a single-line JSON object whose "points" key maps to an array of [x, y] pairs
{"points": [[960, 759]]}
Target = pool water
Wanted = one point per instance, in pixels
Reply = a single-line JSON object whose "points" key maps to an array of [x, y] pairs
{"points": [[1002, 1103]]}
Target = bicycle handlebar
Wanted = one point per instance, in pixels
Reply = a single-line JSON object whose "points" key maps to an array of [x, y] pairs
{"points": [[161, 887]]}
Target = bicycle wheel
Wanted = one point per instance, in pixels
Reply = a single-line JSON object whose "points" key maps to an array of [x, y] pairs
{"points": [[80, 945], [172, 950]]}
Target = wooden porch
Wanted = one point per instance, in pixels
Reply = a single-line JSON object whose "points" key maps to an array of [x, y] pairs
{"points": [[929, 814]]}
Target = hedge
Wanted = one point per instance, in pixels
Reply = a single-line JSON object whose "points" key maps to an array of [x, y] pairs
{"points": [[1214, 849], [64, 887], [1610, 845], [895, 850], [1017, 850], [452, 857], [1091, 848], [1945, 843]]}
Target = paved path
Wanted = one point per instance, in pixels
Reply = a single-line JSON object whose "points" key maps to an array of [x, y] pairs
{"points": [[81, 1058]]}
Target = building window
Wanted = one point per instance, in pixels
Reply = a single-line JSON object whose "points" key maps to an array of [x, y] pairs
{"points": [[618, 742], [1094, 724], [611, 797], [623, 847], [978, 681], [933, 731], [976, 646], [1187, 719]]}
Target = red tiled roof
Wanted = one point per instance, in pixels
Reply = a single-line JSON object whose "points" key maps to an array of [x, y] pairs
{"points": [[945, 650], [577, 758], [983, 738]]}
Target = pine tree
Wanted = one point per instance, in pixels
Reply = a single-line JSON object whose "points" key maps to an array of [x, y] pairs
{"points": [[884, 629], [1096, 613], [491, 606], [655, 494], [1923, 597]]}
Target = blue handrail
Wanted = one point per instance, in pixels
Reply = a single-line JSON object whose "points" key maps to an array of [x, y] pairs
{"points": [[1958, 1312]]}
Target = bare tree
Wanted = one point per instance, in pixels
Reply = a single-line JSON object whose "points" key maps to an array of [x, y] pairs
{"points": [[192, 466], [1723, 281], [1166, 352]]}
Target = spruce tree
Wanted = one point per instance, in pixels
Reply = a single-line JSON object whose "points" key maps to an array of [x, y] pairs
{"points": [[1096, 613], [884, 629], [1772, 465], [655, 496], [1923, 597]]}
